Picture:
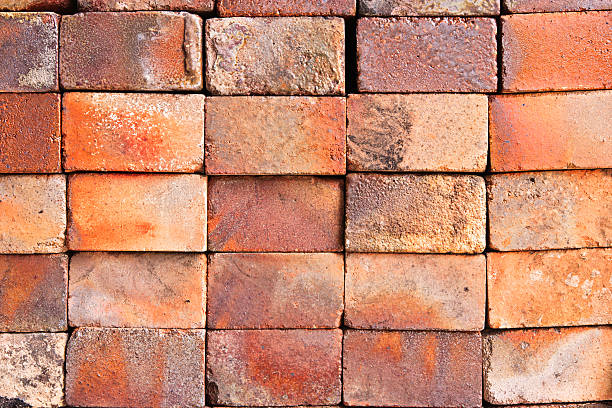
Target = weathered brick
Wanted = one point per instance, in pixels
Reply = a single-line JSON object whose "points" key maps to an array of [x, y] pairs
{"points": [[284, 214], [274, 367], [275, 291], [429, 8], [199, 6], [426, 54], [418, 132], [412, 369], [30, 139], [135, 368], [415, 213], [548, 365], [286, 8], [551, 131], [154, 290], [28, 51], [538, 6], [35, 5], [581, 405], [131, 51], [416, 292], [32, 368], [548, 51], [32, 213], [550, 210], [285, 56], [132, 212], [133, 132]]}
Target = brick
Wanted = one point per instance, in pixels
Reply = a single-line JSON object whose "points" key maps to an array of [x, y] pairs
{"points": [[35, 5], [429, 8], [155, 290], [275, 135], [550, 210], [28, 49], [135, 368], [415, 213], [283, 214], [249, 291], [547, 51], [418, 132], [284, 56], [133, 132], [32, 213], [199, 6], [415, 292], [131, 51], [538, 6], [551, 131], [417, 369], [132, 212], [548, 365], [230, 8], [30, 139], [523, 286], [582, 405], [274, 367], [32, 368], [426, 54]]}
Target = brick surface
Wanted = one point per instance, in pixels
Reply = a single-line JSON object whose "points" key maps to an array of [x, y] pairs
{"points": [[415, 213], [32, 213], [551, 131], [32, 368], [131, 51], [426, 54], [556, 51], [422, 292], [275, 135], [284, 56], [275, 291], [286, 8], [550, 210], [548, 365], [28, 51], [30, 139], [35, 5], [131, 212], [133, 132], [274, 367], [441, 132], [153, 290], [537, 6], [200, 6], [135, 368], [412, 369], [284, 214], [429, 8]]}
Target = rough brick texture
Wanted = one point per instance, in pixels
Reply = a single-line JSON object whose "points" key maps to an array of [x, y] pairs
{"points": [[537, 6], [228, 8], [199, 6], [429, 8], [35, 5]]}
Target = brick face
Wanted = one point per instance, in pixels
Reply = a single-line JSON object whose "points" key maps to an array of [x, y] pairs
{"points": [[35, 5], [200, 6], [537, 6], [429, 8], [229, 8]]}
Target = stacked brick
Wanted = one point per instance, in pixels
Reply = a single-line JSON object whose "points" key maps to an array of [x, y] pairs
{"points": [[387, 203]]}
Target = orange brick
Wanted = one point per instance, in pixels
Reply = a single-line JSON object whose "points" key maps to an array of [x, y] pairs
{"points": [[548, 365], [429, 8], [155, 290], [35, 5], [550, 210], [538, 6], [275, 135], [416, 292], [549, 51], [132, 212], [286, 8], [200, 6], [133, 132], [551, 131], [275, 291]]}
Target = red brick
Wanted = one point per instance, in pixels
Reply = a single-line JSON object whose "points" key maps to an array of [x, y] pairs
{"points": [[28, 51], [133, 132], [155, 290], [274, 367], [35, 5], [538, 6], [418, 132], [131, 51], [199, 6], [412, 369], [582, 405], [275, 291], [548, 365], [286, 8], [551, 131], [284, 214], [415, 292], [30, 139], [550, 210], [429, 8], [131, 212], [135, 368], [549, 51], [426, 54], [33, 293]]}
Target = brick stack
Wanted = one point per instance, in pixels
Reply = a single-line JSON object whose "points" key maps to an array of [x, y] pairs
{"points": [[394, 203]]}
